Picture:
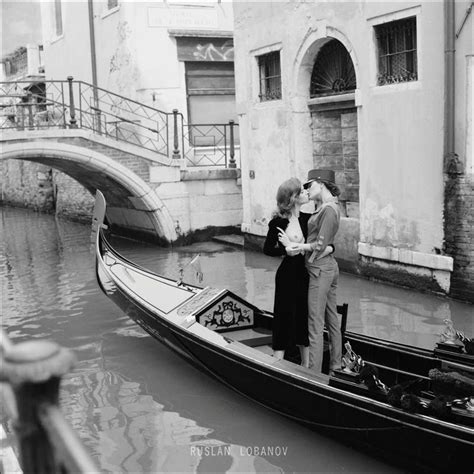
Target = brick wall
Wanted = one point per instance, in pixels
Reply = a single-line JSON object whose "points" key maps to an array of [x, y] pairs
{"points": [[459, 234], [138, 165], [335, 147], [72, 199]]}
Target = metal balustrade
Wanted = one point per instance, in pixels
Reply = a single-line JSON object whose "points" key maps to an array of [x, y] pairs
{"points": [[210, 144], [30, 105]]}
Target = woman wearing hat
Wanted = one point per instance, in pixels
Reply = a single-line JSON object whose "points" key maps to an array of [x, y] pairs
{"points": [[290, 311], [323, 270]]}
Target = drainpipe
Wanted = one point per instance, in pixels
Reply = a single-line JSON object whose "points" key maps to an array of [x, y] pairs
{"points": [[451, 162], [93, 55]]}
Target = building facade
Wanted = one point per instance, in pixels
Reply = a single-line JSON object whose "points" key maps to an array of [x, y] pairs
{"points": [[133, 63], [374, 91], [166, 54]]}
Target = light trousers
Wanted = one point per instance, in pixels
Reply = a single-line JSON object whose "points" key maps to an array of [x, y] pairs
{"points": [[322, 309]]}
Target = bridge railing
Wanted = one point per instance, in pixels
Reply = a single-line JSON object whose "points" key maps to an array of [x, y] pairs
{"points": [[76, 104], [211, 144], [30, 375]]}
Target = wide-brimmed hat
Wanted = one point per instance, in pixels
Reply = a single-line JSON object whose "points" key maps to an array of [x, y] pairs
{"points": [[320, 175]]}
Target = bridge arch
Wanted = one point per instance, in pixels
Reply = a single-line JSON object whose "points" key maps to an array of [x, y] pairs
{"points": [[135, 202]]}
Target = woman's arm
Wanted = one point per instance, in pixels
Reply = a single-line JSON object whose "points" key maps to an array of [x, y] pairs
{"points": [[311, 247], [326, 233], [272, 246], [327, 251]]}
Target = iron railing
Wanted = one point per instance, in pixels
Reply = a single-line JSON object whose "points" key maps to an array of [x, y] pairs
{"points": [[77, 104], [210, 144]]}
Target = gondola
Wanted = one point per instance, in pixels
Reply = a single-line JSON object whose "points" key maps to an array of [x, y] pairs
{"points": [[230, 339]]}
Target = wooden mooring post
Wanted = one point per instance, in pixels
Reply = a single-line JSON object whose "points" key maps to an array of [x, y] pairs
{"points": [[33, 370]]}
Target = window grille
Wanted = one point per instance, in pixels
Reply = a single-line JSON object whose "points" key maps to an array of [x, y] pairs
{"points": [[396, 42], [112, 4], [333, 71], [270, 76]]}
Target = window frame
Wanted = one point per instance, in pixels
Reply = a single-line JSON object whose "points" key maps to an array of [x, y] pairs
{"points": [[387, 53], [373, 56], [264, 80]]}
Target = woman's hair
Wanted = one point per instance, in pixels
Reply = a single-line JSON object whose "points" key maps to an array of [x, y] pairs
{"points": [[287, 196], [331, 187]]}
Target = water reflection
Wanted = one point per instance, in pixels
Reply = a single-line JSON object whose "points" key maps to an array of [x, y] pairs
{"points": [[136, 405], [401, 315], [124, 426]]}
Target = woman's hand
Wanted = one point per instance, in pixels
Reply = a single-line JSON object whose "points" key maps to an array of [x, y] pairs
{"points": [[283, 238], [294, 249], [327, 251]]}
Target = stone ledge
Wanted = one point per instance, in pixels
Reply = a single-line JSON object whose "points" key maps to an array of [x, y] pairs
{"points": [[164, 174], [409, 257], [203, 174]]}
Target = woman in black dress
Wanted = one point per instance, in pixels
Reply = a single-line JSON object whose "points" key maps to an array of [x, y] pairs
{"points": [[290, 311]]}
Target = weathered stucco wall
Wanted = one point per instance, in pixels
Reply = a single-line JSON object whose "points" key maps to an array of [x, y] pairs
{"points": [[203, 199], [136, 56], [397, 157], [69, 53], [400, 128], [402, 149]]}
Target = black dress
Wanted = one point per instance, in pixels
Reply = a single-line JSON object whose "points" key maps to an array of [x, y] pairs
{"points": [[290, 310]]}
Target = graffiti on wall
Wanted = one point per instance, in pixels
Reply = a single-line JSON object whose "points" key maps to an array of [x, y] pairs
{"points": [[209, 52], [214, 49]]}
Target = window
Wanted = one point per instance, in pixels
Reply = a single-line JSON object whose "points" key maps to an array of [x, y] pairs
{"points": [[112, 4], [270, 76], [58, 17], [333, 71], [210, 89], [396, 44]]}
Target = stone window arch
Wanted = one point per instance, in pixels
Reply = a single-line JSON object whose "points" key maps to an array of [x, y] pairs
{"points": [[333, 71]]}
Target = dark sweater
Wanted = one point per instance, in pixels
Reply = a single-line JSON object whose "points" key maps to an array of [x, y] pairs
{"points": [[272, 245]]}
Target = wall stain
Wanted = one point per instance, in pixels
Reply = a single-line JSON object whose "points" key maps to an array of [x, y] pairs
{"points": [[383, 228]]}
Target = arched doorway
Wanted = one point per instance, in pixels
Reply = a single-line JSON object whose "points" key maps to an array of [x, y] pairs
{"points": [[334, 120]]}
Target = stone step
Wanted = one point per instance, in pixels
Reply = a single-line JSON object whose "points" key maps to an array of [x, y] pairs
{"points": [[232, 239]]}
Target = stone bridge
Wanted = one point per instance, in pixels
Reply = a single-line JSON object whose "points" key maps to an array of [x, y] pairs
{"points": [[148, 195]]}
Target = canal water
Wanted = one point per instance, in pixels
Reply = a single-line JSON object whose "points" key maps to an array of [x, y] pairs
{"points": [[136, 405]]}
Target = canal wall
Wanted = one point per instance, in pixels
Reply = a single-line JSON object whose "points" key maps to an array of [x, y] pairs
{"points": [[44, 189], [27, 184]]}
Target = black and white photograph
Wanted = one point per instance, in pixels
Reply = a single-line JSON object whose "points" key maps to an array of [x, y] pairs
{"points": [[236, 236]]}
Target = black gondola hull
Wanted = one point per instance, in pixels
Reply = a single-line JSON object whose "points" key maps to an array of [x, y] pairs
{"points": [[359, 421]]}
